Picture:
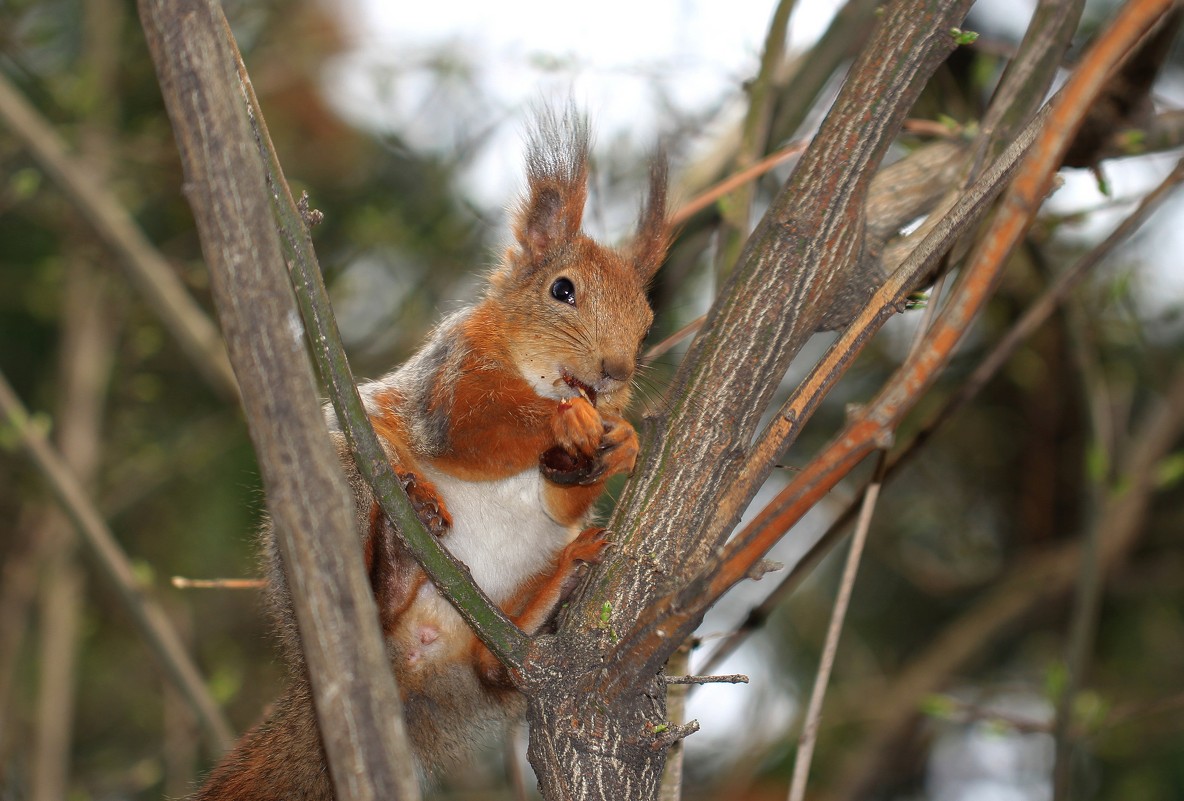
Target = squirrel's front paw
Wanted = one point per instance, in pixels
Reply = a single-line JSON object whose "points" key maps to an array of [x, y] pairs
{"points": [[577, 426], [426, 501], [618, 446], [615, 452]]}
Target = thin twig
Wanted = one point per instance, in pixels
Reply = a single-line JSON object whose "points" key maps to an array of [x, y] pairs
{"points": [[182, 583], [809, 736], [84, 372], [871, 494], [801, 87], [112, 561], [726, 678], [86, 349], [729, 184], [736, 209], [669, 342], [672, 734]]}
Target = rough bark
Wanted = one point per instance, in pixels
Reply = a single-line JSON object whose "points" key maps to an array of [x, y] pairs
{"points": [[585, 737], [356, 701]]}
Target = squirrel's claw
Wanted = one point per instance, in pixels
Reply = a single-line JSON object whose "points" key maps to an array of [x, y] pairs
{"points": [[426, 501]]}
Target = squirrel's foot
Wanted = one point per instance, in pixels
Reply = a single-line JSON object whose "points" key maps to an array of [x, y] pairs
{"points": [[615, 452], [426, 501], [585, 550]]}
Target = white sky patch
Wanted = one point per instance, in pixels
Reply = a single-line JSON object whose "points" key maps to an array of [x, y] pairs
{"points": [[620, 64]]}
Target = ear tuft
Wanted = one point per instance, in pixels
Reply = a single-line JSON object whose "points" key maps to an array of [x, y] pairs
{"points": [[557, 184], [648, 249]]}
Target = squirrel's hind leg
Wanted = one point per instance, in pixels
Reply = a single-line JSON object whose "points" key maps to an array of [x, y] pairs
{"points": [[395, 577]]}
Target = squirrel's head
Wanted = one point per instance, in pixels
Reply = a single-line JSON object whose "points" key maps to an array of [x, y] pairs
{"points": [[576, 311]]}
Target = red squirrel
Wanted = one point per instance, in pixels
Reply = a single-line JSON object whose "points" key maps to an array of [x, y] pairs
{"points": [[503, 428]]}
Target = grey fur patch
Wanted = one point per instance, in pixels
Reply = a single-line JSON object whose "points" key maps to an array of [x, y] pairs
{"points": [[425, 380], [430, 381]]}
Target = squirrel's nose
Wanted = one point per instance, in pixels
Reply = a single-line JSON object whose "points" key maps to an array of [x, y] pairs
{"points": [[616, 369]]}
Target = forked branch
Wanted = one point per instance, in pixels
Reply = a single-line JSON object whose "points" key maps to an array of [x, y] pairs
{"points": [[1017, 211], [678, 614]]}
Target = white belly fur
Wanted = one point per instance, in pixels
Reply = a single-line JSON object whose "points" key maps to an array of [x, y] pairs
{"points": [[500, 529]]}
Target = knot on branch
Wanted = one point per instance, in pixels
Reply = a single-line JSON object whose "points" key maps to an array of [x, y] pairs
{"points": [[764, 566], [311, 217]]}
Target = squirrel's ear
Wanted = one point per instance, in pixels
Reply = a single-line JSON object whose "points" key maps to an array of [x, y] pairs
{"points": [[648, 249], [557, 185]]}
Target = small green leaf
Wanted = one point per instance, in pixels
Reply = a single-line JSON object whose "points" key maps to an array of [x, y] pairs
{"points": [[606, 613], [1103, 184], [962, 37], [916, 300], [661, 727]]}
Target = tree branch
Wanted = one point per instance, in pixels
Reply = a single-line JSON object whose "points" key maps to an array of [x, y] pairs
{"points": [[357, 704], [1018, 208], [678, 614], [789, 274]]}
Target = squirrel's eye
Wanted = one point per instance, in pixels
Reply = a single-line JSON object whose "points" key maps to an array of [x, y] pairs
{"points": [[564, 291]]}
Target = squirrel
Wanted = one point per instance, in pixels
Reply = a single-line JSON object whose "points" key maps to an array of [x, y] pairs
{"points": [[503, 428]]}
